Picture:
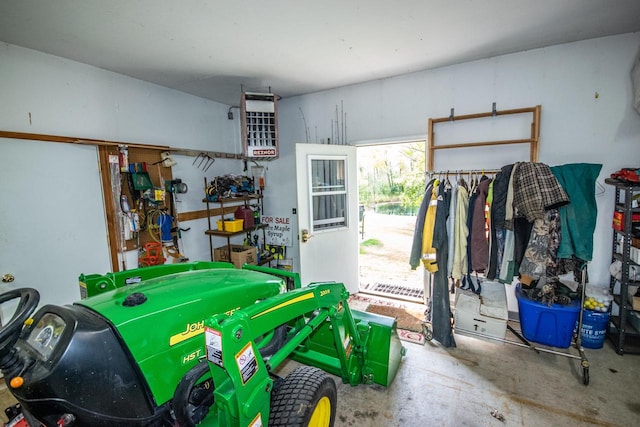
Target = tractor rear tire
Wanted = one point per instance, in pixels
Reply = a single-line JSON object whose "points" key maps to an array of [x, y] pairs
{"points": [[306, 397]]}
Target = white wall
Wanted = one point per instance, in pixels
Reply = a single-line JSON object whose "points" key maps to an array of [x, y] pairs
{"points": [[575, 125], [69, 98], [45, 94]]}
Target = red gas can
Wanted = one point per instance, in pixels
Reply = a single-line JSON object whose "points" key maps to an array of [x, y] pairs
{"points": [[245, 213]]}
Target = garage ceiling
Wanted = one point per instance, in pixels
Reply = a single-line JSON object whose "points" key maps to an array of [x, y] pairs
{"points": [[213, 48]]}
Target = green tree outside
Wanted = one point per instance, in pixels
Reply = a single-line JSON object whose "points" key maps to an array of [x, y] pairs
{"points": [[393, 175]]}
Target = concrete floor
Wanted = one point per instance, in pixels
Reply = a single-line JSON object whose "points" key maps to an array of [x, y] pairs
{"points": [[461, 386]]}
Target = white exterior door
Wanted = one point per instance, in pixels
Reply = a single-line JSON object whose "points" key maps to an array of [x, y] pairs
{"points": [[52, 224], [328, 214]]}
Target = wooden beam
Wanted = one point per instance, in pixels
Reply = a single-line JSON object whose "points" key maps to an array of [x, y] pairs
{"points": [[483, 143], [103, 142], [212, 154], [487, 114], [107, 196], [430, 144], [76, 140], [189, 216]]}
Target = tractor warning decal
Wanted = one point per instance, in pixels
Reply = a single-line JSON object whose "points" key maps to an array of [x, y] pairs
{"points": [[247, 363], [257, 421], [213, 340], [347, 345], [132, 280]]}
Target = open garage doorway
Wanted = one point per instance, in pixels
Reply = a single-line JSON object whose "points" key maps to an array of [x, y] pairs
{"points": [[391, 180]]}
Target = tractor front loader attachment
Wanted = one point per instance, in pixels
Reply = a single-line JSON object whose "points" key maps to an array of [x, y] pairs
{"points": [[319, 329]]}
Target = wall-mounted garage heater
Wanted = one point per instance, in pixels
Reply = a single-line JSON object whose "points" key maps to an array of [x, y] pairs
{"points": [[259, 121]]}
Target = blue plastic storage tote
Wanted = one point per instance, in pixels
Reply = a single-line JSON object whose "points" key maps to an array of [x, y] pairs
{"points": [[550, 325]]}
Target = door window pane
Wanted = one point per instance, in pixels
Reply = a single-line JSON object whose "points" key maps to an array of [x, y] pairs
{"points": [[329, 192]]}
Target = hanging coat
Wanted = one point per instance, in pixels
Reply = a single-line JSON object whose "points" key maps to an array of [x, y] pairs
{"points": [[416, 247], [478, 234], [441, 307], [461, 232], [497, 224], [536, 190], [453, 197], [429, 252], [578, 219]]}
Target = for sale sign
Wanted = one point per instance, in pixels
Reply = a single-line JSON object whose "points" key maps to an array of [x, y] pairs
{"points": [[279, 232]]}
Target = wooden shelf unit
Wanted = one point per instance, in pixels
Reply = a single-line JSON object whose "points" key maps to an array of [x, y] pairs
{"points": [[227, 206]]}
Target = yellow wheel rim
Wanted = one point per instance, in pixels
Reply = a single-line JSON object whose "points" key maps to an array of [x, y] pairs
{"points": [[321, 413]]}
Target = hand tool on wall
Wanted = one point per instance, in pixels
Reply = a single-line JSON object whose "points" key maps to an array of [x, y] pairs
{"points": [[205, 161]]}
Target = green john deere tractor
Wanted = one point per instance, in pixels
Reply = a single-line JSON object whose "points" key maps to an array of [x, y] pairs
{"points": [[191, 344]]}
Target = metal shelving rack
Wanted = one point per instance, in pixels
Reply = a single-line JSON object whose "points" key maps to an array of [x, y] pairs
{"points": [[227, 207], [624, 337]]}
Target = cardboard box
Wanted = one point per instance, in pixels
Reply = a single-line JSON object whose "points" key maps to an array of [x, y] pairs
{"points": [[634, 302], [239, 255], [634, 319], [634, 254], [618, 220]]}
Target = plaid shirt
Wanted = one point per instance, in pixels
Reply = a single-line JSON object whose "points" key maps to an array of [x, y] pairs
{"points": [[536, 190]]}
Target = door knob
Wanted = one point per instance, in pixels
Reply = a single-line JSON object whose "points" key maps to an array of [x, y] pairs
{"points": [[8, 278], [306, 236]]}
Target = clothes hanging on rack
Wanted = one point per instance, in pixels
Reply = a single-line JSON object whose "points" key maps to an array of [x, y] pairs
{"points": [[578, 219], [430, 245], [497, 223], [537, 193], [536, 190], [534, 263], [517, 230], [508, 212], [416, 246], [467, 282], [453, 197], [429, 251], [510, 226], [507, 265], [478, 239], [441, 307], [461, 232]]}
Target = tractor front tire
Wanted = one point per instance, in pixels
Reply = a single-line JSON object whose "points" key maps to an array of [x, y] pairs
{"points": [[306, 397]]}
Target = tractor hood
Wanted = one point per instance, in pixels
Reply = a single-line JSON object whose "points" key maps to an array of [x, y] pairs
{"points": [[161, 320]]}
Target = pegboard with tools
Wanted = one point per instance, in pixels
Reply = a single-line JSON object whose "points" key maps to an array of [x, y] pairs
{"points": [[142, 215]]}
